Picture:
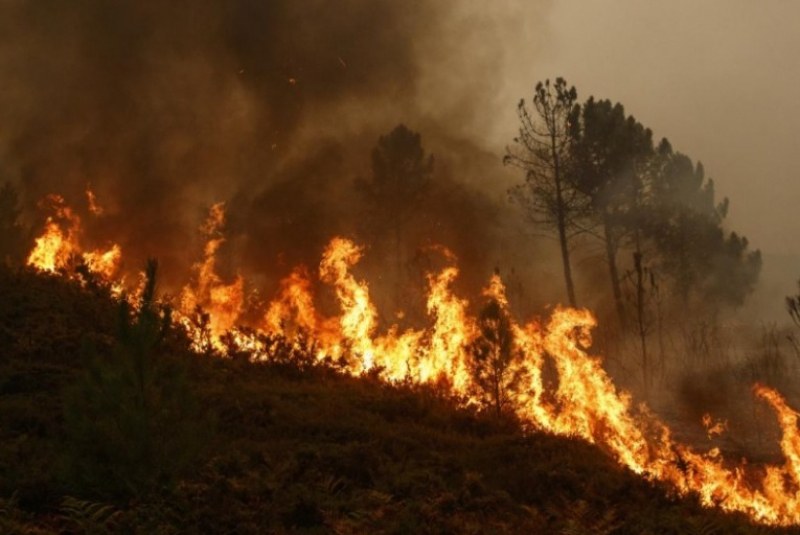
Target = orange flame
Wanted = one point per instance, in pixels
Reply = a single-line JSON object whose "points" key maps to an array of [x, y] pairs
{"points": [[585, 404], [59, 243], [222, 302], [293, 310], [56, 246], [714, 428]]}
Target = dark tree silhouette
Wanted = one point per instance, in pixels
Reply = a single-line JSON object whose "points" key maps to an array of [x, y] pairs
{"points": [[494, 356], [687, 229], [793, 306], [645, 292], [401, 172], [609, 155], [132, 423], [542, 150]]}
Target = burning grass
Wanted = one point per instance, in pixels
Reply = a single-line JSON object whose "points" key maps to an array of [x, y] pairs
{"points": [[580, 402]]}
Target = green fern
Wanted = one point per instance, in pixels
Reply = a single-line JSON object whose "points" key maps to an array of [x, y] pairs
{"points": [[14, 521], [90, 517]]}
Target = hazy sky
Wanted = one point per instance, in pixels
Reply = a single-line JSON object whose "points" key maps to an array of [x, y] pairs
{"points": [[718, 78]]}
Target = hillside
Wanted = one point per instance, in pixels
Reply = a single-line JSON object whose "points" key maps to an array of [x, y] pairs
{"points": [[286, 447]]}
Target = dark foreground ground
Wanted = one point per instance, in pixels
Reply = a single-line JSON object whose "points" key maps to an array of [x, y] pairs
{"points": [[270, 448]]}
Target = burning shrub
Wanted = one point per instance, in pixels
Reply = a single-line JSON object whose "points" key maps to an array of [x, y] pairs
{"points": [[494, 358]]}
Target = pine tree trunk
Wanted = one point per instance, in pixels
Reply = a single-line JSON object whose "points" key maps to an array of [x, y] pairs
{"points": [[562, 236], [562, 225]]}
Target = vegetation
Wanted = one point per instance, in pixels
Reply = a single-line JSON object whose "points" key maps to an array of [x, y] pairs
{"points": [[548, 197], [401, 174], [593, 172], [295, 448], [590, 166], [493, 358], [131, 421]]}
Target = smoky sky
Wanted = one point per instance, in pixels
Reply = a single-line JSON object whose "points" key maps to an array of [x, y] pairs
{"points": [[167, 107], [160, 105], [164, 108]]}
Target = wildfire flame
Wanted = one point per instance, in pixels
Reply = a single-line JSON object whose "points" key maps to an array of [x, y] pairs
{"points": [[714, 428], [59, 243], [221, 302], [584, 403]]}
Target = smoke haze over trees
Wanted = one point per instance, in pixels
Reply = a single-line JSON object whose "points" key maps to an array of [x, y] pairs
{"points": [[165, 109], [276, 107]]}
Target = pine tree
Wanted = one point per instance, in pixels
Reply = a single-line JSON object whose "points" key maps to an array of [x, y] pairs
{"points": [[132, 421]]}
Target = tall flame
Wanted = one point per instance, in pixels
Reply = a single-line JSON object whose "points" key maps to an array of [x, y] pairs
{"points": [[222, 302], [56, 245]]}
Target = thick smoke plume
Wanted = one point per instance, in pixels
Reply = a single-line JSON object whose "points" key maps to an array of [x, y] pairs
{"points": [[166, 108]]}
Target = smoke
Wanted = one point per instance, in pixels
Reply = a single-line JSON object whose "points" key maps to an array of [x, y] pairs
{"points": [[165, 108]]}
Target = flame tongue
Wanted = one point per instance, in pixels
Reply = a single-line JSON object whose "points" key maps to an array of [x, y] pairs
{"points": [[222, 302], [59, 243], [358, 318]]}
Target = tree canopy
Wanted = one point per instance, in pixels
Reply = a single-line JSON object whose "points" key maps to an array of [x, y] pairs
{"points": [[591, 168]]}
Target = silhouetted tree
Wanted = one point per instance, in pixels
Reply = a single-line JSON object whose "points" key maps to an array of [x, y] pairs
{"points": [[687, 229], [401, 172], [494, 357], [658, 203], [11, 235], [610, 154], [793, 308], [541, 149]]}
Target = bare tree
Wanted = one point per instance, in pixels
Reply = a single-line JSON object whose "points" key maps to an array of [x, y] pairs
{"points": [[542, 150]]}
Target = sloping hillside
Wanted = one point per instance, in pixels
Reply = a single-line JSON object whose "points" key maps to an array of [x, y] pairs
{"points": [[276, 447]]}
